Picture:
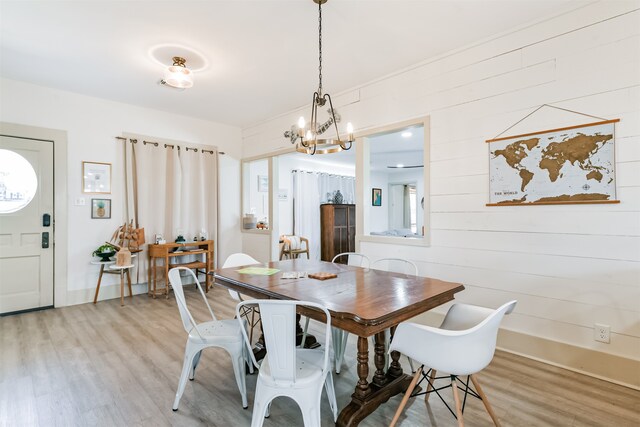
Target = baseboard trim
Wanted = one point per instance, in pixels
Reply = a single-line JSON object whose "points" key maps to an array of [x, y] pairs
{"points": [[604, 366], [110, 291]]}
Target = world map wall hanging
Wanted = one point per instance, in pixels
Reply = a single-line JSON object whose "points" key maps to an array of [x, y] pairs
{"points": [[568, 165]]}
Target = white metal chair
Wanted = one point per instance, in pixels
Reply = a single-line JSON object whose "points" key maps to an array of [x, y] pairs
{"points": [[225, 334], [251, 314], [297, 373], [354, 258], [462, 346], [395, 265], [340, 336]]}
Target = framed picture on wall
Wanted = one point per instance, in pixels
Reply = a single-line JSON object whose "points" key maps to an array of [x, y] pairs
{"points": [[376, 196], [100, 208], [96, 178]]}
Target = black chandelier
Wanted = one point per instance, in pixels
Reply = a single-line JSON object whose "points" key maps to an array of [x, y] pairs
{"points": [[310, 142]]}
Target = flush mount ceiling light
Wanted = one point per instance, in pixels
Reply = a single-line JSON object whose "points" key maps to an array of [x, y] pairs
{"points": [[178, 75], [309, 141]]}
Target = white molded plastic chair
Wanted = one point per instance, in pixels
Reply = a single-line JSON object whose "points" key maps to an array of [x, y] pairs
{"points": [[251, 314], [226, 334], [462, 346], [395, 265], [298, 373]]}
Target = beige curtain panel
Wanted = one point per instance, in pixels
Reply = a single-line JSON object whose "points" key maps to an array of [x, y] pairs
{"points": [[170, 191]]}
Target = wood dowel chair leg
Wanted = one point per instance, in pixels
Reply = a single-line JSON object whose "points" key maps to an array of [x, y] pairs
{"points": [[485, 401], [432, 378], [456, 398], [407, 395]]}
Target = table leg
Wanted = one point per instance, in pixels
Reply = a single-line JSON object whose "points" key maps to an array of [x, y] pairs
{"points": [[95, 298], [155, 276], [379, 377], [149, 275], [368, 396], [129, 281], [166, 277], [121, 287]]}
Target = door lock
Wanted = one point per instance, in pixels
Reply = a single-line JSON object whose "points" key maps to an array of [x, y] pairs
{"points": [[46, 220], [45, 239]]}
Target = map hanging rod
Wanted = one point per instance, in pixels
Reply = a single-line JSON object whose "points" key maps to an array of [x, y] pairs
{"points": [[604, 121]]}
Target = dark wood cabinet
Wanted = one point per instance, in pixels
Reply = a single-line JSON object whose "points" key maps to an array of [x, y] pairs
{"points": [[337, 230]]}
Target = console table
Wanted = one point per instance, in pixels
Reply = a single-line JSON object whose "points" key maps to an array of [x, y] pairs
{"points": [[168, 252]]}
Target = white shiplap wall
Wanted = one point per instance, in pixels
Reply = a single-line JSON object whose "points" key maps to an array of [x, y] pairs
{"points": [[569, 266]]}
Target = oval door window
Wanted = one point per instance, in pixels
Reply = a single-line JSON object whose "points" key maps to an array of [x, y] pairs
{"points": [[18, 181]]}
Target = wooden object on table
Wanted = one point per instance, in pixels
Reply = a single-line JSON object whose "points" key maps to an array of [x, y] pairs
{"points": [[361, 301], [113, 269], [167, 252], [322, 275], [337, 230]]}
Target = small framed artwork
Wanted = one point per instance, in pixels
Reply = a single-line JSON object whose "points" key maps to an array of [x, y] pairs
{"points": [[96, 178], [376, 196], [263, 183], [100, 208]]}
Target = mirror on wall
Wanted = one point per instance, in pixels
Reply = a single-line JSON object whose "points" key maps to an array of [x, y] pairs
{"points": [[255, 194], [396, 178]]}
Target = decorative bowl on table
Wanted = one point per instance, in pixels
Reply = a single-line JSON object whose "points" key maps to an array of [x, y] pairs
{"points": [[104, 256]]}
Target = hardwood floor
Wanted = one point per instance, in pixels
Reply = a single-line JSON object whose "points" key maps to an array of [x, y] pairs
{"points": [[108, 365]]}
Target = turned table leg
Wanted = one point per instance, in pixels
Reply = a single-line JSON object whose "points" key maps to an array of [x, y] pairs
{"points": [[362, 387], [379, 377]]}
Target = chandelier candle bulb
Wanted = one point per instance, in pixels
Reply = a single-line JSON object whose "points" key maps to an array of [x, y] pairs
{"points": [[349, 131]]}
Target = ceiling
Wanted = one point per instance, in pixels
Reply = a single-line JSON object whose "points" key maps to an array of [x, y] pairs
{"points": [[258, 58]]}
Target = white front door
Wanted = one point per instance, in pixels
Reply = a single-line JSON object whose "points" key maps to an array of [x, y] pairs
{"points": [[26, 235]]}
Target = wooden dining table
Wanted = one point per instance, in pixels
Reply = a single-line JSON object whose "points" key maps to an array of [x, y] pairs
{"points": [[362, 301]]}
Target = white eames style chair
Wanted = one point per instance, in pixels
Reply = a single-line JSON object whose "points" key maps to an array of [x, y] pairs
{"points": [[462, 346], [394, 265], [251, 314], [225, 334], [297, 373]]}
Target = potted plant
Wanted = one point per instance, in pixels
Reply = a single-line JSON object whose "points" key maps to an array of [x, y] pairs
{"points": [[105, 252]]}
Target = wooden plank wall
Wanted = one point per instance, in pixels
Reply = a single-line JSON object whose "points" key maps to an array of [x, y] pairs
{"points": [[569, 266]]}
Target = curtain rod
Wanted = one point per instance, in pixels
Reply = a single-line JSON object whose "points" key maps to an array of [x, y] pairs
{"points": [[156, 144]]}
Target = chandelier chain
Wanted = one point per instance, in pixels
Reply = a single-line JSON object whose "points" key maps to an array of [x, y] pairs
{"points": [[320, 48]]}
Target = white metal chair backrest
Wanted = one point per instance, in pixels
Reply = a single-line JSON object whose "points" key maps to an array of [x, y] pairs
{"points": [[396, 265], [354, 258], [188, 321], [455, 351], [238, 260], [279, 329]]}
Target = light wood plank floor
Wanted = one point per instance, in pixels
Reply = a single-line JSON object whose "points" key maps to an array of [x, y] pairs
{"points": [[109, 365]]}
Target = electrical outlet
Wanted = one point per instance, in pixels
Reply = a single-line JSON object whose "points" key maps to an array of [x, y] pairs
{"points": [[601, 333]]}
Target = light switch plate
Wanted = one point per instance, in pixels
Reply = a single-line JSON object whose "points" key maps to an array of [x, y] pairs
{"points": [[80, 201]]}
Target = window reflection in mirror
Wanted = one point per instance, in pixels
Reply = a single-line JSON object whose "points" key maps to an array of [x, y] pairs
{"points": [[396, 167], [255, 194]]}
